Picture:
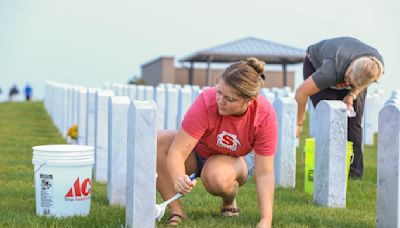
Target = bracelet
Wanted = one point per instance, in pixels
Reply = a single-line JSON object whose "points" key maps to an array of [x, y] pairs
{"points": [[352, 95]]}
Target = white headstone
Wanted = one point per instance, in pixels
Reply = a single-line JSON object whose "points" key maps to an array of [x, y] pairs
{"points": [[279, 93], [195, 92], [118, 89], [368, 131], [149, 93], [106, 86], [285, 157], [47, 95], [75, 105], [161, 102], [312, 120], [373, 103], [394, 97], [90, 117], [57, 107], [264, 91], [141, 166], [132, 92], [330, 154], [171, 112], [64, 109], [82, 113], [101, 135], [270, 97], [184, 102], [117, 148], [125, 90], [70, 107], [287, 90], [388, 180], [140, 92]]}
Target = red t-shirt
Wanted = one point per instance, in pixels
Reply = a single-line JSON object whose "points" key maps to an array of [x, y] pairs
{"points": [[236, 136]]}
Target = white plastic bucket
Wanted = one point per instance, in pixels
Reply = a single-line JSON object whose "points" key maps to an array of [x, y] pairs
{"points": [[63, 179]]}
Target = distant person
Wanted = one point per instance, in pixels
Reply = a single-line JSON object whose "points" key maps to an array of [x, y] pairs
{"points": [[229, 131], [28, 92], [340, 69], [12, 95]]}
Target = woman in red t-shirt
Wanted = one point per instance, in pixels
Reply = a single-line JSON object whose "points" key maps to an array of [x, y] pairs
{"points": [[229, 131]]}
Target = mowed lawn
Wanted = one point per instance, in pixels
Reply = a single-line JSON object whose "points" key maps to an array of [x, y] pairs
{"points": [[24, 125]]}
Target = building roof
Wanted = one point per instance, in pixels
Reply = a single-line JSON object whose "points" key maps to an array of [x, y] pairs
{"points": [[270, 52]]}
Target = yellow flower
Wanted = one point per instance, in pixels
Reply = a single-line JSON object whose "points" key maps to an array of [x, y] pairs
{"points": [[73, 131]]}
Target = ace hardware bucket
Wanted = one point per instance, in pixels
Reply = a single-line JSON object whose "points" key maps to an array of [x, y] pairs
{"points": [[63, 175]]}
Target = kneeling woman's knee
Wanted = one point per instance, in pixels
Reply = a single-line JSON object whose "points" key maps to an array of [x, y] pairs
{"points": [[217, 184]]}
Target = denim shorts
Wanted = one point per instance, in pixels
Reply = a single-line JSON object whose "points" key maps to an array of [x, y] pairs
{"points": [[249, 159]]}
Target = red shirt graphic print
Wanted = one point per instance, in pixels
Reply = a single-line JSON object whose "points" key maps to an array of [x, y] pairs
{"points": [[229, 141]]}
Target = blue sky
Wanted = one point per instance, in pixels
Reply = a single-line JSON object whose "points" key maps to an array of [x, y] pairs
{"points": [[87, 42]]}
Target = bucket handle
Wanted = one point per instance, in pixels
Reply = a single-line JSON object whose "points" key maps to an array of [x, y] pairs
{"points": [[44, 163], [352, 159]]}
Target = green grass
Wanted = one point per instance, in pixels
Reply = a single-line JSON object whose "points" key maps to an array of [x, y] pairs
{"points": [[23, 125]]}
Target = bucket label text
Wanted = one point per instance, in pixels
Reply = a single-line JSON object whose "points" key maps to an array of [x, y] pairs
{"points": [[46, 193]]}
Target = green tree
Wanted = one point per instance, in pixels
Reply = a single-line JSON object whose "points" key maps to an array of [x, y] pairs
{"points": [[137, 80]]}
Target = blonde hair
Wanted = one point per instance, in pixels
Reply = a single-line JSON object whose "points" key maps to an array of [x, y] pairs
{"points": [[245, 77], [366, 70]]}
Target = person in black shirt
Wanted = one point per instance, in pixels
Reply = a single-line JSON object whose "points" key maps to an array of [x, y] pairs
{"points": [[340, 69], [13, 93]]}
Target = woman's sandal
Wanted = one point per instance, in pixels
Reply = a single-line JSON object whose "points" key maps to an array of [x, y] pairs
{"points": [[174, 219], [230, 212]]}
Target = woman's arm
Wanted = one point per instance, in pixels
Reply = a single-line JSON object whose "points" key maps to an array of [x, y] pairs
{"points": [[179, 151], [304, 91], [265, 184]]}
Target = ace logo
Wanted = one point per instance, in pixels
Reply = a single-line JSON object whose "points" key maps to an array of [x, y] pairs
{"points": [[79, 190]]}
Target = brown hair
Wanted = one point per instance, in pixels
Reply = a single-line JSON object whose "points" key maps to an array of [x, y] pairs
{"points": [[245, 77]]}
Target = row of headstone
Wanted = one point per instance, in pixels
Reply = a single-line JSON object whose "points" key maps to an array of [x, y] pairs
{"points": [[274, 93], [60, 102], [388, 180], [172, 100], [283, 101], [92, 103], [116, 125]]}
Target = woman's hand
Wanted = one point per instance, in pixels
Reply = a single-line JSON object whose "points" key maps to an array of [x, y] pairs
{"points": [[298, 130], [184, 185], [348, 100]]}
